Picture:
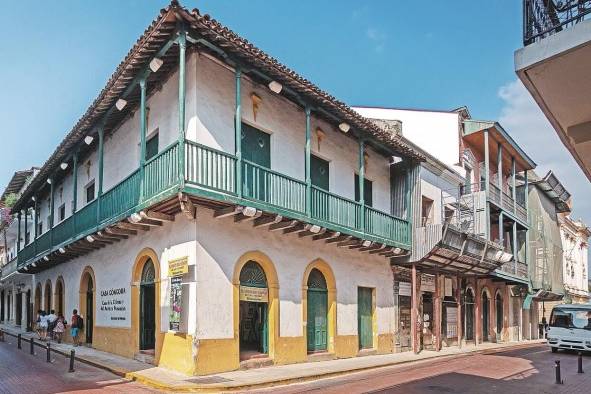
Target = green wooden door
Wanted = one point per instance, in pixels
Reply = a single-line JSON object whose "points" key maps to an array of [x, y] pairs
{"points": [[256, 146], [317, 312], [367, 191], [320, 172], [147, 307], [364, 318], [256, 149]]}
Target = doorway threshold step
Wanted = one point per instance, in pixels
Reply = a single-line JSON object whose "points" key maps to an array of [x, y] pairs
{"points": [[256, 362]]}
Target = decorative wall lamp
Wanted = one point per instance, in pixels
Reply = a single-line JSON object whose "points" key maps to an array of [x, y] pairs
{"points": [[120, 104], [275, 87], [344, 127]]}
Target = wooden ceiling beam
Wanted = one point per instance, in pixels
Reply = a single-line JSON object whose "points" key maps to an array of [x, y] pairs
{"points": [[267, 220], [283, 225]]}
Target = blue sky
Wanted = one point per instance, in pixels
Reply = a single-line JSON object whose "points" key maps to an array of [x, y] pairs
{"points": [[417, 54]]}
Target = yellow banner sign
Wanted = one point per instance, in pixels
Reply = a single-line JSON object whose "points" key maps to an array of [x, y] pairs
{"points": [[178, 267], [254, 294]]}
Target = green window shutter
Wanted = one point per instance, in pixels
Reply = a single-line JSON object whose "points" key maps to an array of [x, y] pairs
{"points": [[367, 191], [320, 172], [364, 317], [152, 147], [256, 146]]}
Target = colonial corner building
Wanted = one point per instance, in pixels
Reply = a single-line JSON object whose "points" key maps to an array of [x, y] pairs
{"points": [[214, 210]]}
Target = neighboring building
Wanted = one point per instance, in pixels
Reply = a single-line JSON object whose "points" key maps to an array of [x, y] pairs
{"points": [[548, 199], [15, 287], [480, 272], [575, 247], [250, 219], [554, 67]]}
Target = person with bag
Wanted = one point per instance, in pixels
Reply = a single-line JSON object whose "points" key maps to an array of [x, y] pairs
{"points": [[60, 328], [77, 324]]}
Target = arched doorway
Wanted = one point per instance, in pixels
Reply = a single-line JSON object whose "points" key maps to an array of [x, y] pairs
{"points": [[38, 293], [317, 312], [485, 316], [87, 303], [2, 306], [148, 306], [48, 300], [59, 296], [469, 315], [29, 310], [253, 311], [499, 313]]}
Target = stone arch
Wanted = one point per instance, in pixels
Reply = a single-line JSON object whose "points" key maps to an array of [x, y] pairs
{"points": [[38, 298], [328, 274], [47, 299], [142, 258], [87, 273], [273, 303], [59, 303]]}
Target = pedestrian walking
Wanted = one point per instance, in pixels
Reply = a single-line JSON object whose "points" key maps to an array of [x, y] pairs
{"points": [[60, 328], [76, 324]]}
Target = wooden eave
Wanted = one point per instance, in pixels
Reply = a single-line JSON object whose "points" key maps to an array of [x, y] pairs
{"points": [[237, 49], [474, 136]]}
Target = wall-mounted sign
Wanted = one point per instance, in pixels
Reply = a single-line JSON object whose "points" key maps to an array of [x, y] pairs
{"points": [[254, 294], [176, 303], [178, 267], [448, 287], [404, 289], [113, 305], [428, 283]]}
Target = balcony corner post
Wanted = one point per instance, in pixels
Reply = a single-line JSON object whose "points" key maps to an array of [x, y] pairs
{"points": [[182, 41], [486, 182], [513, 191], [238, 133], [26, 227], [500, 168], [526, 202], [35, 219], [142, 137], [101, 134], [308, 165], [362, 184], [18, 235], [515, 252], [501, 230]]}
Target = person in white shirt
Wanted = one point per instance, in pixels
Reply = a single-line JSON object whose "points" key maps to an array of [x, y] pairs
{"points": [[51, 319], [43, 324]]}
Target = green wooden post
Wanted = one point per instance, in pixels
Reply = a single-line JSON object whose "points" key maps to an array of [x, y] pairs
{"points": [[500, 167], [407, 200], [142, 136], [51, 211], [182, 96], [361, 182], [486, 182], [513, 192], [36, 219], [515, 246], [238, 134], [307, 163], [75, 183], [101, 132], [18, 233], [26, 216]]}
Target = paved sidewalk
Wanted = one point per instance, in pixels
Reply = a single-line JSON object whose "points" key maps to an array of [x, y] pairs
{"points": [[164, 379], [118, 365]]}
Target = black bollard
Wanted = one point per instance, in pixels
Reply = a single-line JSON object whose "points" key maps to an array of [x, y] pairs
{"points": [[580, 362], [557, 367], [48, 352], [72, 354], [18, 341], [32, 348]]}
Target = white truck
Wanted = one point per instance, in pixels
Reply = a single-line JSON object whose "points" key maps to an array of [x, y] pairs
{"points": [[570, 327]]}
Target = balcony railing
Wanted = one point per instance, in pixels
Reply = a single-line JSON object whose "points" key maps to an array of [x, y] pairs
{"points": [[515, 268], [542, 18], [213, 172], [161, 173]]}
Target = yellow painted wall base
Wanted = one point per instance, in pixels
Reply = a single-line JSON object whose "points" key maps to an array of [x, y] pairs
{"points": [[289, 350], [217, 355], [177, 353], [385, 343], [113, 340], [347, 346]]}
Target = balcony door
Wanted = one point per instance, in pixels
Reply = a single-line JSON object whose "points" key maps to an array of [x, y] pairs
{"points": [[256, 151], [320, 172]]}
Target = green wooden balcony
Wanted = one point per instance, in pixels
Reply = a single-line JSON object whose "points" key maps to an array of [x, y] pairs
{"points": [[212, 174]]}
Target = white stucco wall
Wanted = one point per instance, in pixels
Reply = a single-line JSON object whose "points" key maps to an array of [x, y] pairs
{"points": [[437, 132], [220, 244]]}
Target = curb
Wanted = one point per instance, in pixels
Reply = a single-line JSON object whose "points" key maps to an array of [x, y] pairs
{"points": [[216, 388]]}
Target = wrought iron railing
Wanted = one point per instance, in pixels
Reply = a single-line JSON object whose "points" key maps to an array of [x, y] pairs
{"points": [[542, 18]]}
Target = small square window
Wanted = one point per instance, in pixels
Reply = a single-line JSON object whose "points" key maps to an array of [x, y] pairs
{"points": [[62, 212], [90, 192]]}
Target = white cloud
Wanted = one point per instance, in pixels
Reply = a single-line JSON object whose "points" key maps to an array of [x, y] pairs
{"points": [[526, 123], [377, 37]]}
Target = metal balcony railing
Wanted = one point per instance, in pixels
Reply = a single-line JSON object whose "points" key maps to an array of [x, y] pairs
{"points": [[542, 18]]}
